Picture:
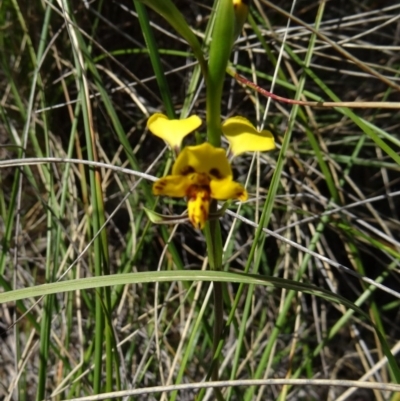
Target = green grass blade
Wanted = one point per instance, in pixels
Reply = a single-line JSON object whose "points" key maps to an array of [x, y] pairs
{"points": [[155, 58]]}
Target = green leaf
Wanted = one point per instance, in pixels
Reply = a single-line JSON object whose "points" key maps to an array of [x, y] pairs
{"points": [[169, 276], [157, 218]]}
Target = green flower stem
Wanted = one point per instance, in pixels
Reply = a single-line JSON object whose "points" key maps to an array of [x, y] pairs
{"points": [[212, 233], [220, 51]]}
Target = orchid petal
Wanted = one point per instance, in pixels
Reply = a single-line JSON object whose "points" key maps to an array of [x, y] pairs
{"points": [[243, 136], [174, 186], [227, 189], [203, 159], [172, 131]]}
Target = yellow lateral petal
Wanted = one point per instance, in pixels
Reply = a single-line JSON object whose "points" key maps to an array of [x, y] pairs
{"points": [[203, 159], [227, 189], [174, 186], [172, 131], [243, 136]]}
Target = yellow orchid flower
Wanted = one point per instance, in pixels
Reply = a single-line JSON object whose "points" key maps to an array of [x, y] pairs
{"points": [[244, 137], [200, 173], [172, 131]]}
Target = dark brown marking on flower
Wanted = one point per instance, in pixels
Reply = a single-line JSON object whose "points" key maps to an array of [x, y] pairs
{"points": [[204, 212], [206, 195], [191, 192], [159, 186], [187, 170], [240, 194], [216, 173]]}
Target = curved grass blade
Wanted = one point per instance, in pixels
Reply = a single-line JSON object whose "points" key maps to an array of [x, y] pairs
{"points": [[168, 10]]}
